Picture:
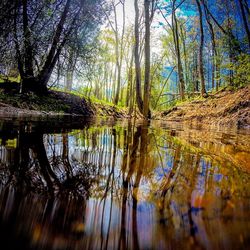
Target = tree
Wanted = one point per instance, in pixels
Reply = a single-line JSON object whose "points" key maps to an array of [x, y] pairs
{"points": [[244, 17], [146, 110], [46, 29], [149, 9], [119, 56], [177, 48], [176, 36], [119, 42], [215, 69], [201, 66], [228, 32], [72, 57], [139, 100]]}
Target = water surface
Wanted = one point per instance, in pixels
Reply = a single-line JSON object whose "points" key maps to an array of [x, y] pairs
{"points": [[107, 185]]}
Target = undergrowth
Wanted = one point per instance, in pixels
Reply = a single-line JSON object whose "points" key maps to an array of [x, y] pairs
{"points": [[34, 102]]}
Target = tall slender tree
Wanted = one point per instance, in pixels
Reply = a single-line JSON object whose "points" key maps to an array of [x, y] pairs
{"points": [[245, 19], [178, 53], [201, 64], [146, 110], [215, 59], [137, 60]]}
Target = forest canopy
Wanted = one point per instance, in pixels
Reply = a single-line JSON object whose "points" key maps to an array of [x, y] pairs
{"points": [[35, 35]]}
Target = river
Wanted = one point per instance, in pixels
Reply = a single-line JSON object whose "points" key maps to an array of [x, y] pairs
{"points": [[79, 184]]}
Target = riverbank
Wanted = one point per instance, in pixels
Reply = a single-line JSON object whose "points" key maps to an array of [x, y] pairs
{"points": [[227, 107], [56, 103], [230, 108]]}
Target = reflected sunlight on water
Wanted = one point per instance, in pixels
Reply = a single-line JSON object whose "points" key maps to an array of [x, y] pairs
{"points": [[120, 186]]}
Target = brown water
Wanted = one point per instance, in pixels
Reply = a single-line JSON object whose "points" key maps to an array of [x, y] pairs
{"points": [[103, 185]]}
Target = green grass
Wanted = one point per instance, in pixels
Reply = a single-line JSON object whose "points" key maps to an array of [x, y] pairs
{"points": [[9, 79], [34, 102], [80, 94]]}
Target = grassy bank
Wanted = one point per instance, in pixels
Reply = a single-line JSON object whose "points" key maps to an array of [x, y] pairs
{"points": [[55, 103]]}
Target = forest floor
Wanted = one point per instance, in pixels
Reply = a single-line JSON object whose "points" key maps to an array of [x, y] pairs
{"points": [[56, 103], [227, 108]]}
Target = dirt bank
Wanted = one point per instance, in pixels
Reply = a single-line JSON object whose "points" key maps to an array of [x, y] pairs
{"points": [[227, 108], [54, 104]]}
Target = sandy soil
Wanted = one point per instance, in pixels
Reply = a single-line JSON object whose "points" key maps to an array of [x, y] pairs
{"points": [[227, 108]]}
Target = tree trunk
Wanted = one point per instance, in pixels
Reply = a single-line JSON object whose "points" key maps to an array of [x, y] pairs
{"points": [[217, 70], [195, 72], [55, 50], [245, 4], [146, 110], [215, 59], [236, 44], [70, 69], [69, 80], [28, 57], [245, 21], [43, 78], [17, 47], [118, 67], [118, 87], [130, 81], [201, 66], [137, 60], [213, 69], [119, 57], [164, 85], [183, 37], [177, 49], [27, 73]]}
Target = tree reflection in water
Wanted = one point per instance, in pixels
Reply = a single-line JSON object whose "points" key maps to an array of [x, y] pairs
{"points": [[123, 187]]}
